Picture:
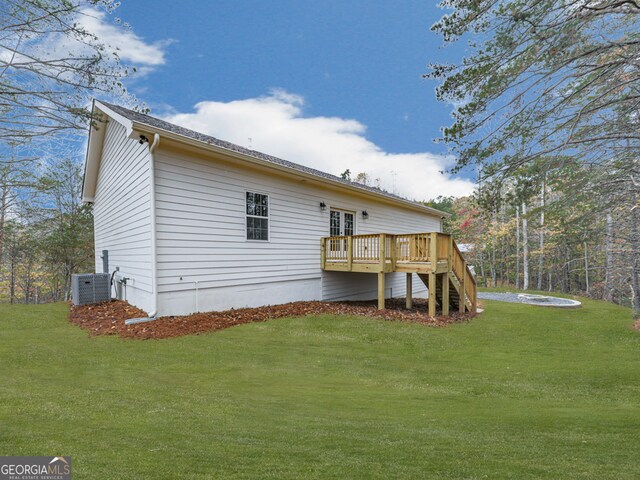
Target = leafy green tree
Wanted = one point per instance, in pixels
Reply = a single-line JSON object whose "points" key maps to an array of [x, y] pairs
{"points": [[66, 226]]}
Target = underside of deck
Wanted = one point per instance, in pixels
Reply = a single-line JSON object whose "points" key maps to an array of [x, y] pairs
{"points": [[433, 256]]}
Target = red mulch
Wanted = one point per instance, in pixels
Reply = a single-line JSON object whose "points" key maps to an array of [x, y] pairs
{"points": [[108, 318]]}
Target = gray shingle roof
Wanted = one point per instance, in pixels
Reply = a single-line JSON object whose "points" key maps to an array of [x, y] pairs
{"points": [[154, 122]]}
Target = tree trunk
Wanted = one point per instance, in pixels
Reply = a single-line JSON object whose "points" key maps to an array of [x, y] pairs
{"points": [[27, 290], [586, 267], [517, 247], [608, 266], [566, 280], [3, 216], [525, 248], [635, 263], [541, 239], [503, 263], [494, 275], [12, 284]]}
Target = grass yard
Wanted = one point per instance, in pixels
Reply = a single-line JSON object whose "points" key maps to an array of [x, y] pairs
{"points": [[520, 392]]}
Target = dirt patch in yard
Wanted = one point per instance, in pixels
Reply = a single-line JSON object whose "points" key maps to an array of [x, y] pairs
{"points": [[108, 318]]}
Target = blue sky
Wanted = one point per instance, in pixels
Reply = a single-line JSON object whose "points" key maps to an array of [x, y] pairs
{"points": [[348, 61]]}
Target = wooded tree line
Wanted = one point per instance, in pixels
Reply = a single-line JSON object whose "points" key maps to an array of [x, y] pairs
{"points": [[46, 233], [50, 68], [546, 109], [537, 232]]}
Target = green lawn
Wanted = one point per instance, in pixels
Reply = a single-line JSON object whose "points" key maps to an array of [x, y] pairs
{"points": [[520, 392]]}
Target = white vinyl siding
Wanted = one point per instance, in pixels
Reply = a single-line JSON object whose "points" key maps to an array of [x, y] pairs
{"points": [[121, 210], [201, 229]]}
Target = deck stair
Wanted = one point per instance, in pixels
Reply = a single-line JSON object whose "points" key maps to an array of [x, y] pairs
{"points": [[433, 256]]}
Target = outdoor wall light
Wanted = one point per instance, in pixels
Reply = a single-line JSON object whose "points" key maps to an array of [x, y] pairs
{"points": [[365, 214], [323, 206]]}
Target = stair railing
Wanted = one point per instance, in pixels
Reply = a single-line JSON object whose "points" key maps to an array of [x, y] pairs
{"points": [[386, 250]]}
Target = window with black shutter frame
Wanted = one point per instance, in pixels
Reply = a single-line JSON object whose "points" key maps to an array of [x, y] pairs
{"points": [[257, 216]]}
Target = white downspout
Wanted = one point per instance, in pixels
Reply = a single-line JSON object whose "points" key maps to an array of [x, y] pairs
{"points": [[152, 194]]}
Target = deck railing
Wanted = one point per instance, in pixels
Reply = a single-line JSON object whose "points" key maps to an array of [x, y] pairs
{"points": [[385, 252], [397, 248]]}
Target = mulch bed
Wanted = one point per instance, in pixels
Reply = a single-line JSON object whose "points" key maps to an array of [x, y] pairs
{"points": [[108, 318]]}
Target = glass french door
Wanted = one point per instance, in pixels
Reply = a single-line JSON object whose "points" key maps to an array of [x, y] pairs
{"points": [[341, 223]]}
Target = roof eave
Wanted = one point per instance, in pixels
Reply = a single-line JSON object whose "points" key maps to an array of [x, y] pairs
{"points": [[134, 128], [137, 127], [94, 147]]}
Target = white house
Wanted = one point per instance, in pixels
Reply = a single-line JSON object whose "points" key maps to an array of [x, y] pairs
{"points": [[194, 223]]}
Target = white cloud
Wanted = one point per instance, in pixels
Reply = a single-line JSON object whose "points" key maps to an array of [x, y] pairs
{"points": [[276, 125], [130, 47], [118, 40]]}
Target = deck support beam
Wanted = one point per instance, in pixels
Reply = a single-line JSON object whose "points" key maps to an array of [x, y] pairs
{"points": [[381, 291], [445, 293], [432, 294], [409, 291]]}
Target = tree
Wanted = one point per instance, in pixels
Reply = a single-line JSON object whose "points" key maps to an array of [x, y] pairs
{"points": [[555, 82], [541, 235], [50, 65], [525, 247], [67, 226], [559, 74], [447, 205], [21, 254], [16, 175], [363, 178]]}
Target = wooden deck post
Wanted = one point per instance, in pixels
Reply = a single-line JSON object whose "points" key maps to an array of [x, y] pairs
{"points": [[393, 252], [409, 290], [381, 291], [382, 251], [323, 253], [350, 252], [463, 287], [433, 251], [445, 293], [412, 247], [432, 294]]}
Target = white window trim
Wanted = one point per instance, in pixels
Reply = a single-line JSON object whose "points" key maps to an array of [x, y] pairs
{"points": [[268, 217]]}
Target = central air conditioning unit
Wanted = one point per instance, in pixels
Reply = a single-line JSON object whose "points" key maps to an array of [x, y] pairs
{"points": [[87, 288]]}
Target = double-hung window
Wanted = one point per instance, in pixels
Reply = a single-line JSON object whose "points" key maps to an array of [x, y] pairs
{"points": [[257, 216]]}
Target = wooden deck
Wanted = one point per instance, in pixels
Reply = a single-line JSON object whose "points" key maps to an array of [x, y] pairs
{"points": [[433, 256]]}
